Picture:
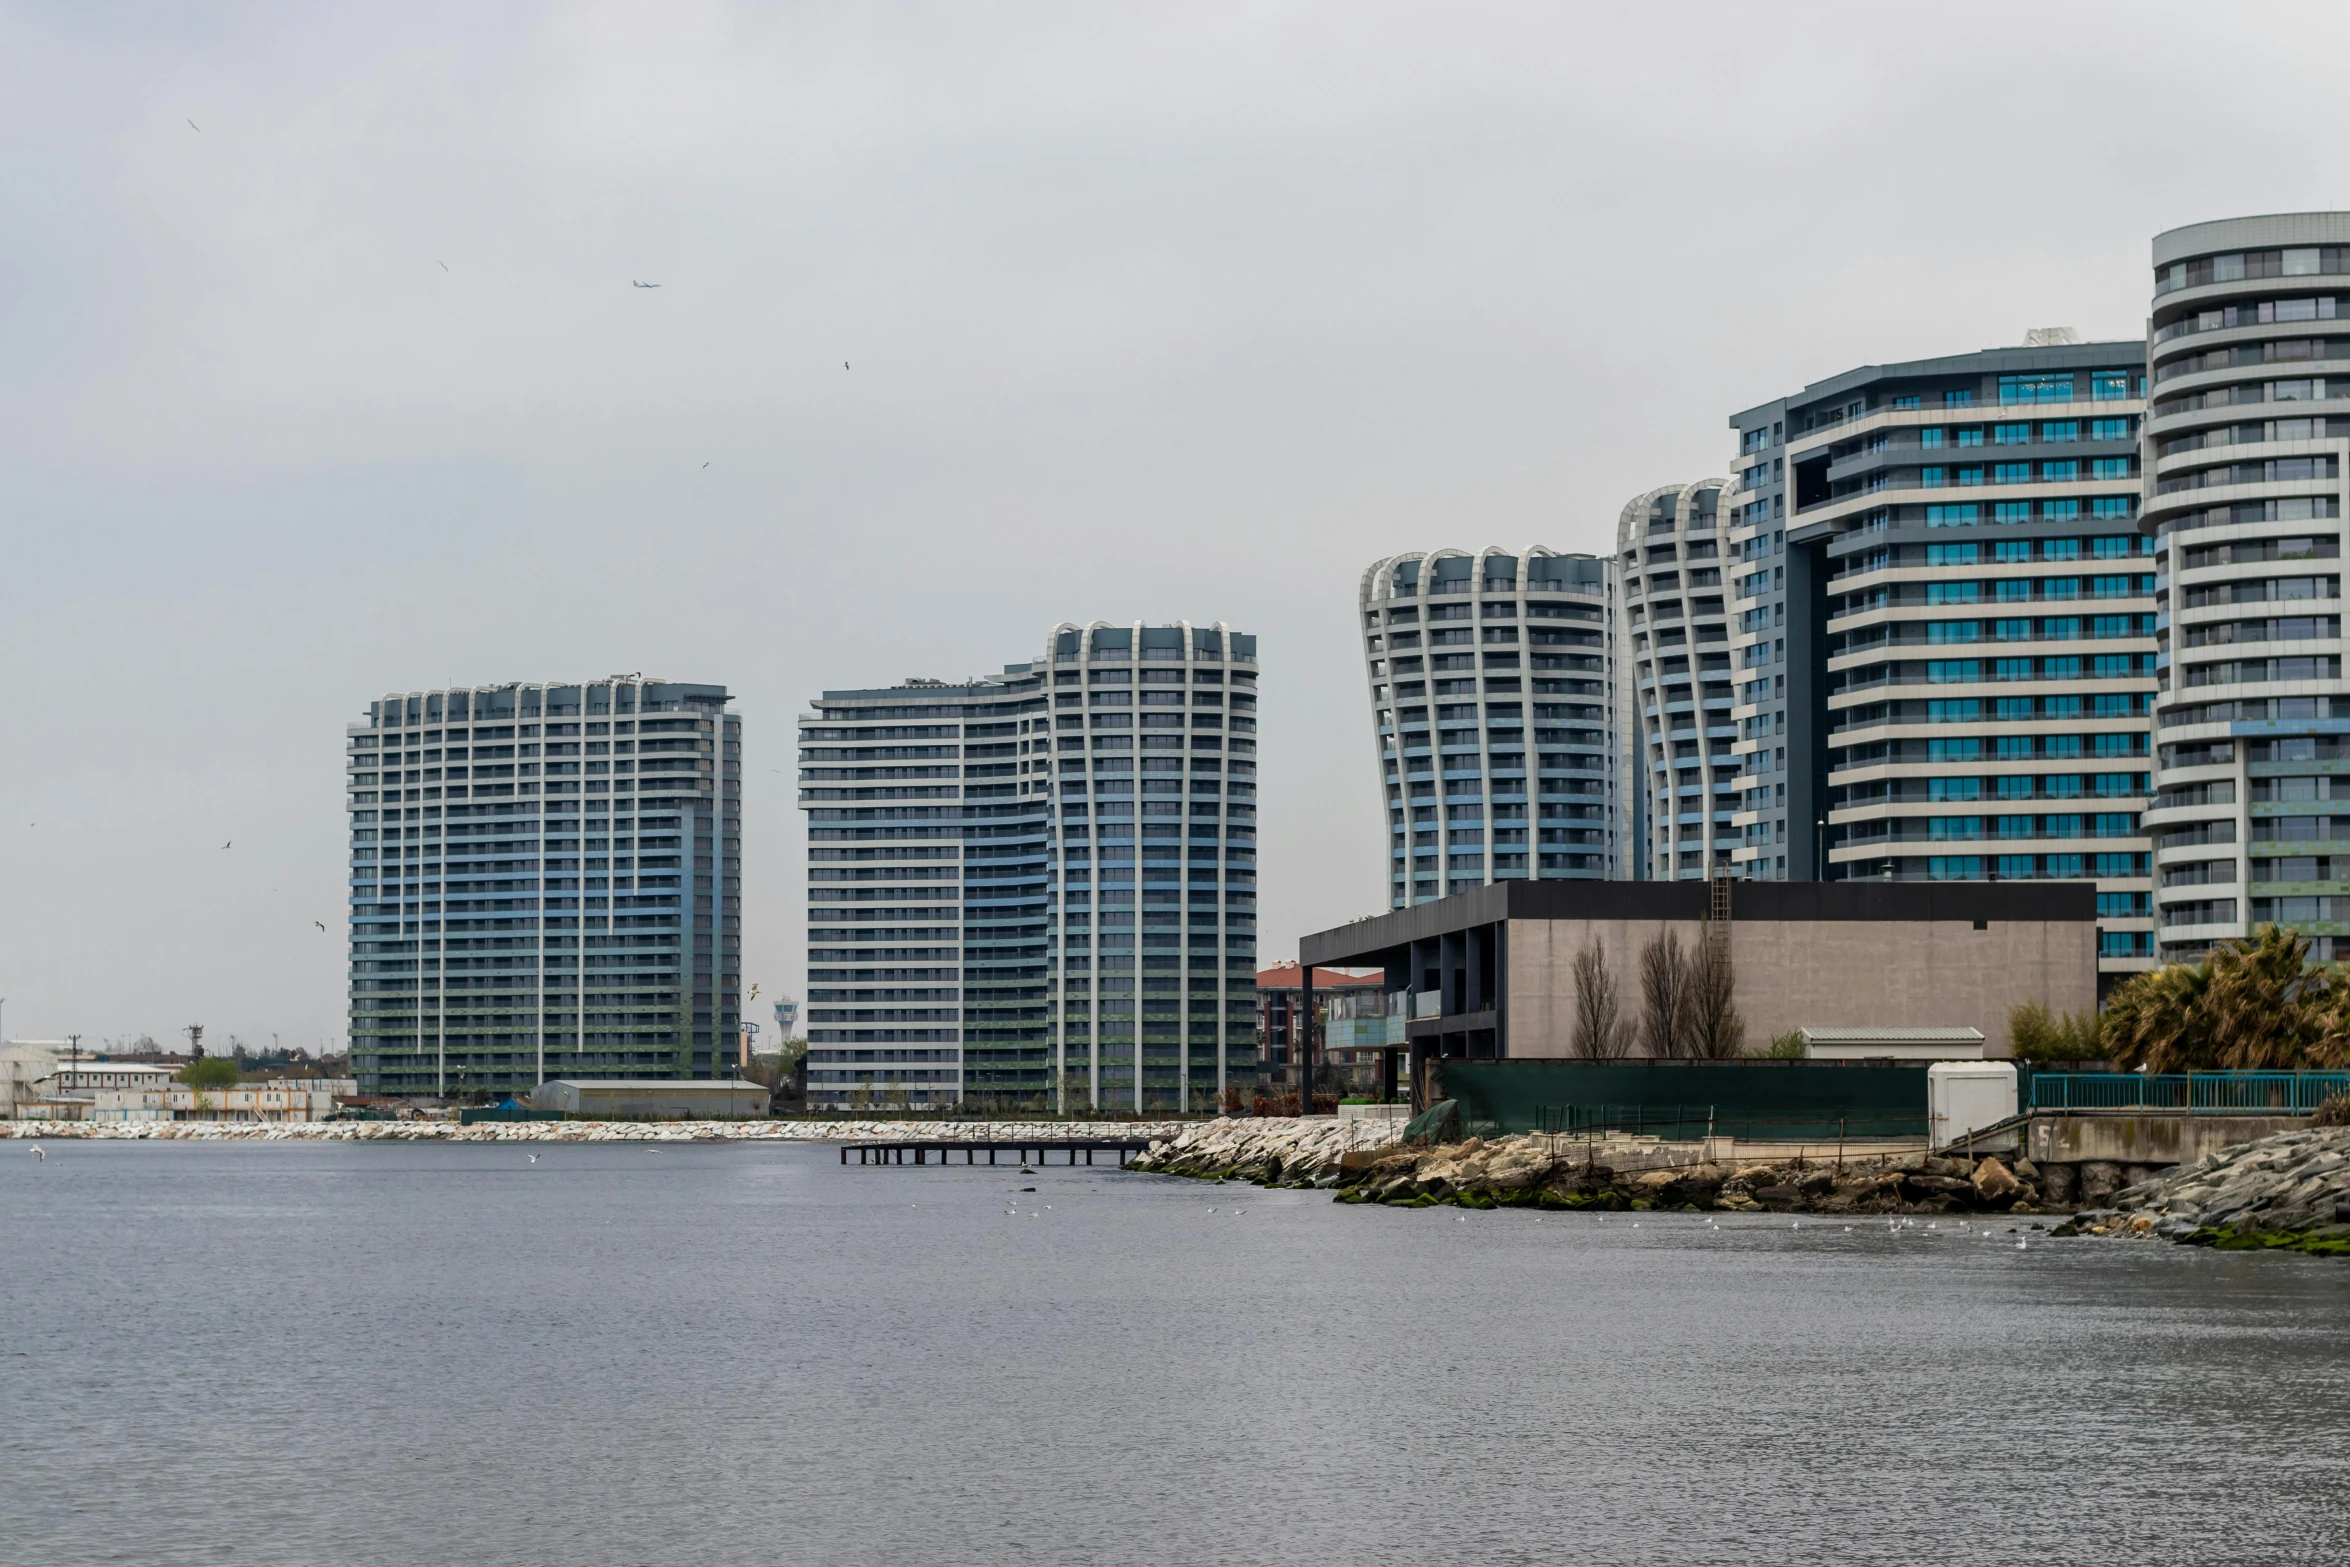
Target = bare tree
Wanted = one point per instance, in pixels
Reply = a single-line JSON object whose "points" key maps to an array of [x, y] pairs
{"points": [[1601, 1033], [1664, 986], [1716, 1031]]}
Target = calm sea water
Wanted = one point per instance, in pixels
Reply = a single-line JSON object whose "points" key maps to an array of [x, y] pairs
{"points": [[621, 1354]]}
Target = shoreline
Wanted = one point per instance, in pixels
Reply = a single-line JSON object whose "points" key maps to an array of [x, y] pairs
{"points": [[762, 1131], [1530, 1170]]}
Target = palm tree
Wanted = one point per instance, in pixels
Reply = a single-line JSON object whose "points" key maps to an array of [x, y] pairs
{"points": [[2251, 1004]]}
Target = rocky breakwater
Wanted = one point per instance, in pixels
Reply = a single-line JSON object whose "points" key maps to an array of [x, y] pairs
{"points": [[1365, 1163], [2286, 1192], [1271, 1151]]}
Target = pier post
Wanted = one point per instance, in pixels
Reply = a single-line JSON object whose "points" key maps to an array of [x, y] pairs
{"points": [[1301, 1036]]}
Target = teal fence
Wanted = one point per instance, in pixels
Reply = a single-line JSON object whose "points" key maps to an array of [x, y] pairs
{"points": [[2242, 1093], [1763, 1100]]}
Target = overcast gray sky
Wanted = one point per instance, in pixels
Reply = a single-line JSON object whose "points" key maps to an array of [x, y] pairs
{"points": [[1154, 312]]}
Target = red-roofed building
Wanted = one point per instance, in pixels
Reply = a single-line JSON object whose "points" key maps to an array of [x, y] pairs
{"points": [[1277, 994]]}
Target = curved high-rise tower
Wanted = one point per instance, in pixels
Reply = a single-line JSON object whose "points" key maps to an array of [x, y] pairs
{"points": [[1494, 717], [1670, 546], [2248, 349]]}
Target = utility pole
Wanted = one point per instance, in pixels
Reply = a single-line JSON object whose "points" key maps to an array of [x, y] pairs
{"points": [[195, 1033]]}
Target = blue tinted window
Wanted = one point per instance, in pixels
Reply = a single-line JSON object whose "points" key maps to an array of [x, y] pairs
{"points": [[1958, 399], [2106, 386], [2040, 389], [2012, 434]]}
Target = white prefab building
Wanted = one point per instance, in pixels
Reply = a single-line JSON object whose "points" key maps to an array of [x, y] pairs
{"points": [[1892, 1044]]}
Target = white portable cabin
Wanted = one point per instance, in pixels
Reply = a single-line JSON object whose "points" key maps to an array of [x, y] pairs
{"points": [[1965, 1096]]}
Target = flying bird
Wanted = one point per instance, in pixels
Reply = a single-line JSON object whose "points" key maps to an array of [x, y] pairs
{"points": [[534, 1158], [636, 284], [192, 125], [321, 924], [705, 465], [40, 1153], [225, 845], [844, 364], [444, 266]]}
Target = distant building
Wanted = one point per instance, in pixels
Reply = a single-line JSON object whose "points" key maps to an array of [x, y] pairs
{"points": [[787, 1021], [1691, 780], [1037, 888], [1943, 626], [23, 1065], [1277, 995], [1497, 718], [546, 879], [2244, 503], [84, 1076], [155, 1097], [1491, 974]]}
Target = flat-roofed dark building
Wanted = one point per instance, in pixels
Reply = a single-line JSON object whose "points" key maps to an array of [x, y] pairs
{"points": [[1490, 972]]}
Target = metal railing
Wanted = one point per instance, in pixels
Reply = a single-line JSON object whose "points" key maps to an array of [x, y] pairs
{"points": [[2189, 1093]]}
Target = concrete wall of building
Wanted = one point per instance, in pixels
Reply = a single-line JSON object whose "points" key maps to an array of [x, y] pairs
{"points": [[1819, 974]]}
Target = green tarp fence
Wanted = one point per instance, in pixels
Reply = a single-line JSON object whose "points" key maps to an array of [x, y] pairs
{"points": [[1765, 1100]]}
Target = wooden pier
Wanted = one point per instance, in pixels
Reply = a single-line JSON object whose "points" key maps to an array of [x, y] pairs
{"points": [[943, 1150]]}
